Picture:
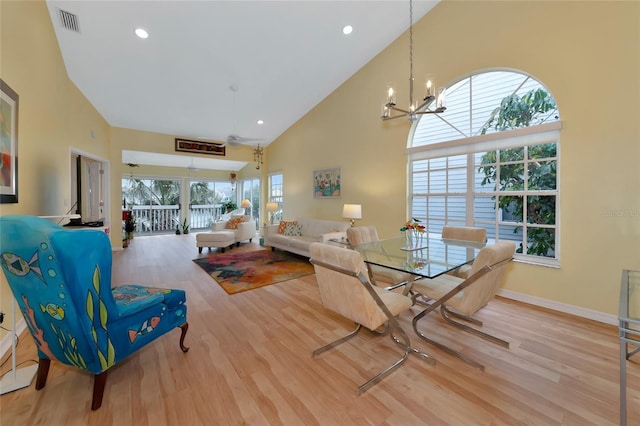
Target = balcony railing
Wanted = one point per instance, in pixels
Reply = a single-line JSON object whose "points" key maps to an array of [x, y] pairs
{"points": [[162, 219]]}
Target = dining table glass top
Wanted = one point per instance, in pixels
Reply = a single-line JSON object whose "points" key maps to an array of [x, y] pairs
{"points": [[429, 257], [630, 299]]}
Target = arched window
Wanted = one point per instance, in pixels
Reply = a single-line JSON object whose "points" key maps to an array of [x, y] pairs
{"points": [[491, 160]]}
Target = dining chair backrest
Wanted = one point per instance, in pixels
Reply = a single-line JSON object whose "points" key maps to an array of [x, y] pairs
{"points": [[362, 235], [465, 233], [340, 274], [478, 294]]}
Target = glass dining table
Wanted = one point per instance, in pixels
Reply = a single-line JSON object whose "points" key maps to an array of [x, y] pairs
{"points": [[629, 330], [426, 258]]}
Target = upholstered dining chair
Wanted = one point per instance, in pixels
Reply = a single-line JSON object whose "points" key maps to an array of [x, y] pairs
{"points": [[464, 233], [345, 289], [61, 280], [383, 277], [462, 298]]}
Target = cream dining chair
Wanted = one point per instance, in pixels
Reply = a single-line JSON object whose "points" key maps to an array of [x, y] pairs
{"points": [[382, 277], [345, 289], [464, 233], [462, 298]]}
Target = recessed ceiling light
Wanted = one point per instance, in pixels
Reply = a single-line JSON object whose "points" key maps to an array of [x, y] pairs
{"points": [[260, 122], [348, 29], [141, 33]]}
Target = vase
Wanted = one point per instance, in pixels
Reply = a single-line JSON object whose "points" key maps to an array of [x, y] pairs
{"points": [[408, 238]]}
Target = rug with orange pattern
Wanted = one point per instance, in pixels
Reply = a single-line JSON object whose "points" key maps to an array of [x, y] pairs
{"points": [[237, 272]]}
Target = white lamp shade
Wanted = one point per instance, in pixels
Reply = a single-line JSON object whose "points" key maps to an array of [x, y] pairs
{"points": [[352, 211], [272, 207], [245, 204]]}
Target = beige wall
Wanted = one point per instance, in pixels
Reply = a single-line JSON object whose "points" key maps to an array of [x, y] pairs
{"points": [[586, 53], [54, 116], [135, 140]]}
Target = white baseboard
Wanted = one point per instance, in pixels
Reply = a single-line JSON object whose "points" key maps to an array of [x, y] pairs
{"points": [[560, 307], [5, 343]]}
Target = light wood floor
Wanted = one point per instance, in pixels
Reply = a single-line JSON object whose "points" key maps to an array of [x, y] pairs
{"points": [[250, 364]]}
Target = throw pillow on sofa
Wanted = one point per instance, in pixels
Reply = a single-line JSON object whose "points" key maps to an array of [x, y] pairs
{"points": [[293, 230], [283, 224], [234, 222]]}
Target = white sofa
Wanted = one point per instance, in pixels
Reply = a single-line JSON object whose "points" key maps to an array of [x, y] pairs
{"points": [[311, 231]]}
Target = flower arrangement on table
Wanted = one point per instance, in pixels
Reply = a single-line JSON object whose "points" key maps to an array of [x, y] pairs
{"points": [[413, 232]]}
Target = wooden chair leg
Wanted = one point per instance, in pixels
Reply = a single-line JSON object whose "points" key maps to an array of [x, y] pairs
{"points": [[99, 382], [184, 328], [43, 372]]}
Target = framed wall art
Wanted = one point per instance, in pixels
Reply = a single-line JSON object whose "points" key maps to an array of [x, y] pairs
{"points": [[213, 148], [8, 144], [327, 183]]}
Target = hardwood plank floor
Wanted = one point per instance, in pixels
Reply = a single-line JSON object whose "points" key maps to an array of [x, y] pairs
{"points": [[250, 363]]}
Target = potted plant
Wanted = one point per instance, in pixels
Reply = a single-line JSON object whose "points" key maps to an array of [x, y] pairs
{"points": [[130, 225], [185, 226], [229, 206]]}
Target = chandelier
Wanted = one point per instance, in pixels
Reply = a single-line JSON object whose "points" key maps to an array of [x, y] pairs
{"points": [[414, 108], [258, 154]]}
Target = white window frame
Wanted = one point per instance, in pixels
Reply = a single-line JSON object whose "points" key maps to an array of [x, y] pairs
{"points": [[548, 132]]}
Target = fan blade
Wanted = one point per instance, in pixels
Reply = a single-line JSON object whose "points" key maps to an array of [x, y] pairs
{"points": [[235, 140]]}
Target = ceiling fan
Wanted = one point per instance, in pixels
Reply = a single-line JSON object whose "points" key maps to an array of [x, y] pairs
{"points": [[235, 140], [192, 168]]}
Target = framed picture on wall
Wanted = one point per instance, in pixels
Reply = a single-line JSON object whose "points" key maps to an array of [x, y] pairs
{"points": [[327, 183], [213, 148], [8, 144]]}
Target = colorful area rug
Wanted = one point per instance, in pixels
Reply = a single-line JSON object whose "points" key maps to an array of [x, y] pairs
{"points": [[237, 272]]}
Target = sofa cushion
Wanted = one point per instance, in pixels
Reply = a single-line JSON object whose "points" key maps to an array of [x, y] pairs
{"points": [[317, 227], [283, 224], [293, 230], [280, 239], [234, 221], [302, 243]]}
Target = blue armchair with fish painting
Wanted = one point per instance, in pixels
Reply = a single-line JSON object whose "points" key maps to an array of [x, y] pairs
{"points": [[61, 280]]}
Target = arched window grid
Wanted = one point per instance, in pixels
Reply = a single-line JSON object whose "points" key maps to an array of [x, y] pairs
{"points": [[446, 170]]}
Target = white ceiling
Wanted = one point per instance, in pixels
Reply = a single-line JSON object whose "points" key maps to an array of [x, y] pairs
{"points": [[284, 57]]}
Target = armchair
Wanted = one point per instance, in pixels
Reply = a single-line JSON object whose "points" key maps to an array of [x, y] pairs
{"points": [[345, 289], [244, 227], [61, 280], [462, 298]]}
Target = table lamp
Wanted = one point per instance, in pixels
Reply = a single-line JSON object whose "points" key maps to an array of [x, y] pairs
{"points": [[246, 204], [352, 212], [272, 207]]}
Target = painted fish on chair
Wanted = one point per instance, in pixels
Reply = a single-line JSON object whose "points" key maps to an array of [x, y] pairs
{"points": [[54, 310], [146, 327], [20, 267]]}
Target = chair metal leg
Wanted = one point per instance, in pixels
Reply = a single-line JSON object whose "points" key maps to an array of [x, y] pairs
{"points": [[337, 342], [450, 351], [493, 339], [405, 343], [463, 317], [408, 349], [372, 381], [439, 345]]}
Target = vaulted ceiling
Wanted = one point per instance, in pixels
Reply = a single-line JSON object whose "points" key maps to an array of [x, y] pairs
{"points": [[282, 57]]}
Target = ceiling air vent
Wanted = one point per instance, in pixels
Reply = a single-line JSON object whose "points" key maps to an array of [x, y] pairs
{"points": [[69, 20]]}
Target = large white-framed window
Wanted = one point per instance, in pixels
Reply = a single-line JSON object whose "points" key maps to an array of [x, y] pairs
{"points": [[493, 163], [250, 190], [275, 194]]}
